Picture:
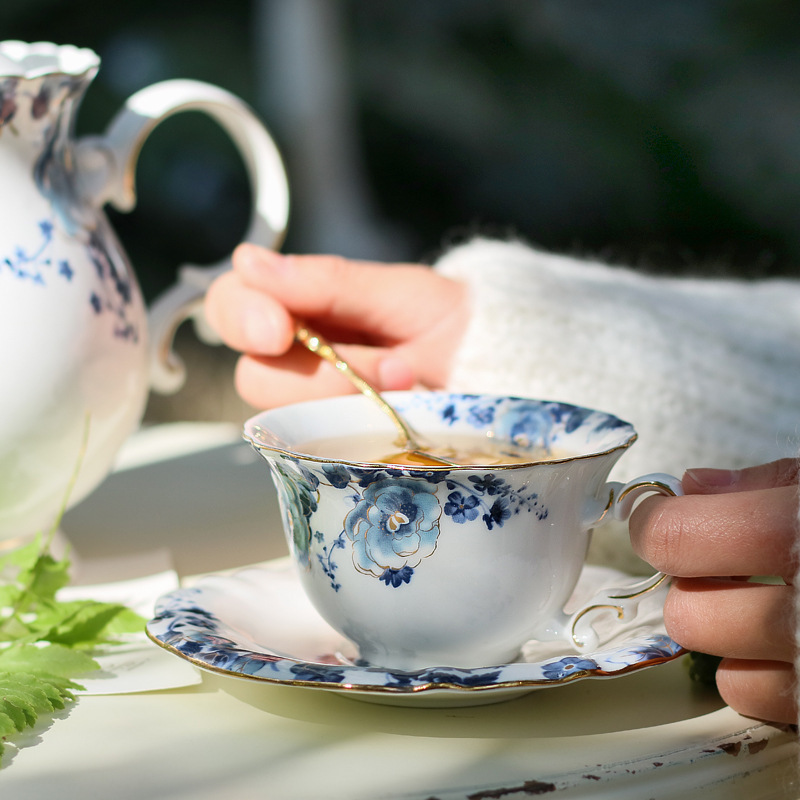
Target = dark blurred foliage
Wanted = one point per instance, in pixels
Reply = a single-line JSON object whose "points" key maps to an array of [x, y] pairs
{"points": [[666, 135]]}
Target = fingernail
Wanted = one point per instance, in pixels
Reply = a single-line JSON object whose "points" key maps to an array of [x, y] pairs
{"points": [[714, 478]]}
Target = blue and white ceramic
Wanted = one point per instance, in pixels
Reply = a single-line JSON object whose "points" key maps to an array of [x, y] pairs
{"points": [[258, 625], [76, 355], [452, 566]]}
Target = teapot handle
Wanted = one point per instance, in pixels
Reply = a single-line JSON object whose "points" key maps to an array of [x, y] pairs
{"points": [[106, 168]]}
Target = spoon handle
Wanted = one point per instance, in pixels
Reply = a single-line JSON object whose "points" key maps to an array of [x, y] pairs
{"points": [[317, 343]]}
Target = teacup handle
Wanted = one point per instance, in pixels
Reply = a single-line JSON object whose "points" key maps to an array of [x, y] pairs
{"points": [[624, 600], [106, 168]]}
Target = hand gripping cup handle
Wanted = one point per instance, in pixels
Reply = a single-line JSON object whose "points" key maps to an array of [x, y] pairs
{"points": [[624, 600]]}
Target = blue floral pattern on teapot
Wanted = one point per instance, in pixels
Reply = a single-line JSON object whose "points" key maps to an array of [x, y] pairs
{"points": [[79, 348]]}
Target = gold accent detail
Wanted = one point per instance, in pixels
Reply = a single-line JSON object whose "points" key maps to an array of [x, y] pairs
{"points": [[655, 485], [598, 607], [585, 611], [609, 506], [444, 466], [647, 589], [611, 607], [409, 690]]}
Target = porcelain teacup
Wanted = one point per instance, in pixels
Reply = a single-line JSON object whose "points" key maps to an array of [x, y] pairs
{"points": [[457, 566]]}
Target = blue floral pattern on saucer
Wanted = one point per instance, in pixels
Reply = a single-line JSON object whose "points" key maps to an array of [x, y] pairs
{"points": [[258, 624]]}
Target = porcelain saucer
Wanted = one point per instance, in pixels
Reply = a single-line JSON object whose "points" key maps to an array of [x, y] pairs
{"points": [[256, 624]]}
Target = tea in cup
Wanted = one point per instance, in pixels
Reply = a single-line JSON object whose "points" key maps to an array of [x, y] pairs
{"points": [[450, 565]]}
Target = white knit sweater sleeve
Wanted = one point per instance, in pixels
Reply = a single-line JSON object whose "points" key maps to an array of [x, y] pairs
{"points": [[707, 371]]}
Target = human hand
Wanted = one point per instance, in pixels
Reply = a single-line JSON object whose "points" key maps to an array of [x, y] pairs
{"points": [[398, 325], [732, 525]]}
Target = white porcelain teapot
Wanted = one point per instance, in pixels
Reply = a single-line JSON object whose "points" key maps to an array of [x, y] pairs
{"points": [[78, 350]]}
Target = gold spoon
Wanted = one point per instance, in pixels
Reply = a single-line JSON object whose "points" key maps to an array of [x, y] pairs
{"points": [[408, 441]]}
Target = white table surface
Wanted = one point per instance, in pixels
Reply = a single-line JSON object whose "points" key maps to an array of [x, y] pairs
{"points": [[197, 496]]}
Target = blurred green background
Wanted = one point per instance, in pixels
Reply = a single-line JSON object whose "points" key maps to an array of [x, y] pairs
{"points": [[664, 135]]}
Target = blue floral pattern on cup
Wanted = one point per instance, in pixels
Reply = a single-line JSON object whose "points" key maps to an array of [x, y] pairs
{"points": [[394, 522], [393, 526], [325, 558], [297, 495]]}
